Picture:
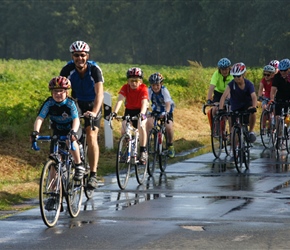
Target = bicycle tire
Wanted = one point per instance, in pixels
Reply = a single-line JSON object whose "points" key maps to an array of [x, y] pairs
{"points": [[88, 191], [226, 137], [216, 138], [50, 188], [266, 129], [237, 149], [279, 136], [163, 152], [246, 150], [152, 152], [141, 169], [123, 163], [74, 193]]}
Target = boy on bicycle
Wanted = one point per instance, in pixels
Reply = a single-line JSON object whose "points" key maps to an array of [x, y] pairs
{"points": [[64, 116], [135, 95], [242, 96], [162, 104]]}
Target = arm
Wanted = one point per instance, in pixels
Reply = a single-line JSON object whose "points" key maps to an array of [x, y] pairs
{"points": [[254, 100], [273, 93], [223, 98], [167, 107], [260, 91], [210, 92], [75, 124], [99, 90], [118, 105], [144, 106], [37, 124]]}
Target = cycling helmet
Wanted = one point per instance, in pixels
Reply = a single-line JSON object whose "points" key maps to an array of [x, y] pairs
{"points": [[135, 72], [274, 63], [79, 46], [224, 63], [269, 68], [238, 69], [59, 82], [284, 64], [156, 78]]}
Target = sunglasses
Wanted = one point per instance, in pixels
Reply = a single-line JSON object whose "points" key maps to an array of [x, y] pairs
{"points": [[58, 91], [267, 75], [237, 76], [79, 55]]}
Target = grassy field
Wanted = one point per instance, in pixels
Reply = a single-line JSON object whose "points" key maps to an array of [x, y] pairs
{"points": [[24, 88]]}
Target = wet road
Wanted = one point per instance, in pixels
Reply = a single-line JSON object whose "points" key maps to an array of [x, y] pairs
{"points": [[199, 203]]}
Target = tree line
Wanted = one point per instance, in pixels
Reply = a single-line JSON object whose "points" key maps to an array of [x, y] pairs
{"points": [[152, 32]]}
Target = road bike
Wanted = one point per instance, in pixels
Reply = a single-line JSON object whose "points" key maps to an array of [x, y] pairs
{"points": [[157, 144], [282, 131], [57, 181], [128, 153], [220, 130], [240, 139], [267, 125]]}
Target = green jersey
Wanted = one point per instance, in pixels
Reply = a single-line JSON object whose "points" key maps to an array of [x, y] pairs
{"points": [[220, 82]]}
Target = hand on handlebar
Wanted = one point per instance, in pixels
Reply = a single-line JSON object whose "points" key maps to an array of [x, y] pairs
{"points": [[33, 136], [252, 110]]}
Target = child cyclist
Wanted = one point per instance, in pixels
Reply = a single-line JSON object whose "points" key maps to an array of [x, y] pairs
{"points": [[265, 85], [242, 96], [218, 83], [162, 104], [135, 94], [64, 115]]}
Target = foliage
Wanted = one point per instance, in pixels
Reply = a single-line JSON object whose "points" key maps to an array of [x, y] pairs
{"points": [[164, 32]]}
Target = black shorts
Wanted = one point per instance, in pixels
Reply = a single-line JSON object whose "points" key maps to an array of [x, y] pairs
{"points": [[279, 106], [88, 106], [245, 117], [133, 112], [217, 96]]}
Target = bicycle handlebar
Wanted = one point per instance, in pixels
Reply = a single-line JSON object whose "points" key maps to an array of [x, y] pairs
{"points": [[91, 118], [62, 138], [127, 118]]}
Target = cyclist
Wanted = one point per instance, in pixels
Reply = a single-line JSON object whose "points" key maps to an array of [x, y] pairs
{"points": [[63, 113], [135, 94], [218, 83], [87, 87], [242, 96], [265, 85], [161, 103], [280, 90], [275, 64]]}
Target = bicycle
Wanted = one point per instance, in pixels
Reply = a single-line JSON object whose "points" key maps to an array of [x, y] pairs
{"points": [[282, 131], [240, 139], [267, 125], [127, 154], [157, 144], [57, 181], [220, 130]]}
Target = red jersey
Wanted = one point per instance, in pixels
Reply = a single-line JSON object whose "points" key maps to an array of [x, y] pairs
{"points": [[134, 97], [267, 87]]}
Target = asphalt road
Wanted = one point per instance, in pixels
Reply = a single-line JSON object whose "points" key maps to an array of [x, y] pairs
{"points": [[200, 203]]}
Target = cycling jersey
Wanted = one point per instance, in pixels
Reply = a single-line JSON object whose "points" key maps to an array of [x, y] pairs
{"points": [[61, 114], [158, 100], [219, 81], [134, 97], [267, 87], [283, 88], [83, 88], [241, 98]]}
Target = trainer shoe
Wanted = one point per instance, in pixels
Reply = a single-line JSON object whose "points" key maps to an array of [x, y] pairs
{"points": [[252, 137], [79, 173], [171, 152], [143, 158], [50, 204], [92, 183]]}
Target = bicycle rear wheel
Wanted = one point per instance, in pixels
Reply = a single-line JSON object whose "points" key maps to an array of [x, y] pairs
{"points": [[266, 129], [152, 154], [50, 194], [216, 138], [123, 163], [141, 169], [74, 193], [163, 152]]}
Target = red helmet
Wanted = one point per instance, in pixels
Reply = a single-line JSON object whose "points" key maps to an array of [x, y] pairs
{"points": [[238, 69], [59, 82], [135, 72]]}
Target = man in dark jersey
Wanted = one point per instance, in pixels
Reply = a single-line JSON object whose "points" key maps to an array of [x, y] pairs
{"points": [[87, 88]]}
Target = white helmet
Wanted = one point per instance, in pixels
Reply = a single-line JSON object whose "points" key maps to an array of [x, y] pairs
{"points": [[238, 69], [269, 68], [79, 46]]}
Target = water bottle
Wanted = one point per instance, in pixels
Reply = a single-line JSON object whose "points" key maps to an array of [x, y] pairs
{"points": [[133, 146], [81, 151], [273, 119]]}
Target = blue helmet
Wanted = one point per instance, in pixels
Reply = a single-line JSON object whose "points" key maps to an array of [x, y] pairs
{"points": [[224, 63], [284, 64]]}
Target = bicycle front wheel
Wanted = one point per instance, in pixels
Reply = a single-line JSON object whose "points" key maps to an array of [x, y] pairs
{"points": [[237, 149], [88, 191], [163, 152], [152, 153], [216, 138], [141, 169], [226, 134], [266, 130], [74, 193], [50, 194], [123, 163]]}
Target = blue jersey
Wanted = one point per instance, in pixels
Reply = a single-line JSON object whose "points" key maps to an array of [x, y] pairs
{"points": [[83, 89], [158, 100], [241, 98], [61, 114]]}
